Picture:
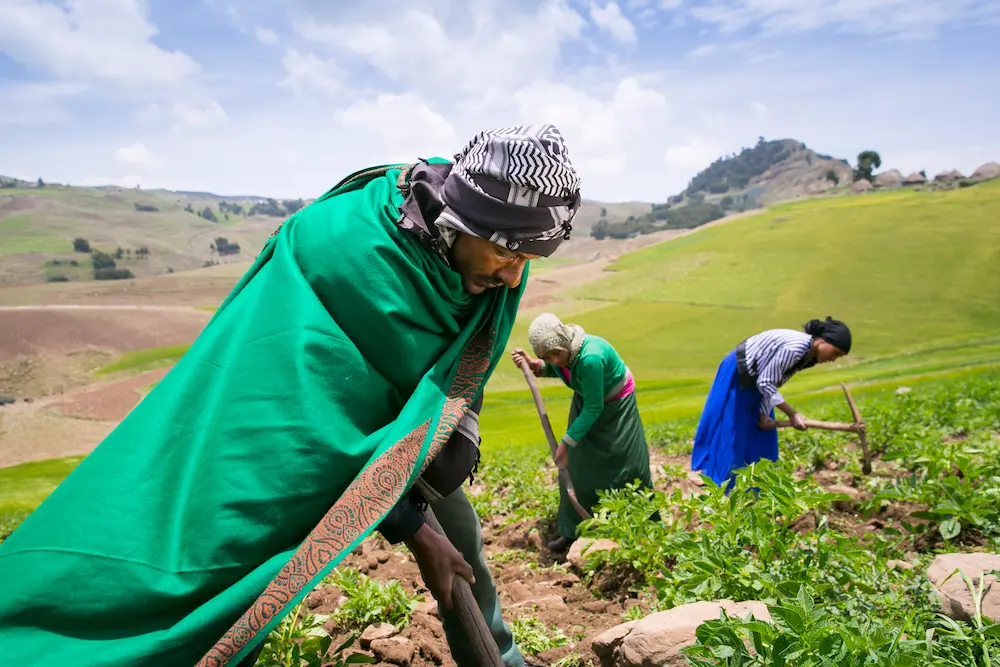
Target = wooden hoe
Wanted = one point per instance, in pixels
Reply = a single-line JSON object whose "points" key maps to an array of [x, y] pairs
{"points": [[550, 436], [858, 428]]}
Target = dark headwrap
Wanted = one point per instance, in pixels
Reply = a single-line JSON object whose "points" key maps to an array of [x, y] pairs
{"points": [[513, 186], [832, 331]]}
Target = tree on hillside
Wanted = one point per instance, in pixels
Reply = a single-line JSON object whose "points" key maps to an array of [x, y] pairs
{"points": [[102, 260], [831, 175], [604, 212], [119, 252], [867, 162], [41, 183], [142, 253], [208, 214], [224, 247], [189, 208], [81, 245]]}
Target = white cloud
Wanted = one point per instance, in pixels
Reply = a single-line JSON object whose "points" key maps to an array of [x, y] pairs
{"points": [[671, 4], [482, 51], [703, 51], [693, 155], [897, 18], [185, 116], [37, 103], [401, 127], [137, 155], [91, 39], [611, 20], [307, 72], [266, 36], [760, 109]]}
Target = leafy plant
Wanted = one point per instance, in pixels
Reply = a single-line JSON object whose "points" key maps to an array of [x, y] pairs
{"points": [[533, 636], [300, 641], [369, 601]]}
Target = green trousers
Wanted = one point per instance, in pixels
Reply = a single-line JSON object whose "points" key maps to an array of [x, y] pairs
{"points": [[461, 524]]}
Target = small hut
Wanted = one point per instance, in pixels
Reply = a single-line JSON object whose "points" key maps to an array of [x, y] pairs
{"points": [[862, 186], [889, 179], [948, 176], [986, 171], [916, 178]]}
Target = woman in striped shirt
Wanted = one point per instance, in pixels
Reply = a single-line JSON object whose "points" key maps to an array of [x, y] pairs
{"points": [[737, 424]]}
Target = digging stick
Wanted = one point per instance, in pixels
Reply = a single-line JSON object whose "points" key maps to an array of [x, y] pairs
{"points": [[551, 437], [858, 428], [478, 633]]}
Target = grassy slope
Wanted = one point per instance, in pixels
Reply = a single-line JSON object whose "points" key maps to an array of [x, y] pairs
{"points": [[915, 274], [40, 224]]}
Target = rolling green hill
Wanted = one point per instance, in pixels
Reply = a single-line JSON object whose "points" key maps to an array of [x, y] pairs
{"points": [[915, 274], [38, 226]]}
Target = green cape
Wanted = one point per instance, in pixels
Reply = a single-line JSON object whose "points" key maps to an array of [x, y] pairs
{"points": [[330, 376]]}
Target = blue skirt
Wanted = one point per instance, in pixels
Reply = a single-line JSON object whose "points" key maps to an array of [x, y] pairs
{"points": [[728, 436]]}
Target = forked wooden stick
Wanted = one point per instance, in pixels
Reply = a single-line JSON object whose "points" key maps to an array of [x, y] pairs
{"points": [[858, 427], [551, 437]]}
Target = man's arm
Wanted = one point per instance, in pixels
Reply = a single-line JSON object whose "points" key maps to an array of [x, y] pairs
{"points": [[402, 521]]}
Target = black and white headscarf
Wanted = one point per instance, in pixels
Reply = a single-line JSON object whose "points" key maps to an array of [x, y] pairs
{"points": [[513, 186]]}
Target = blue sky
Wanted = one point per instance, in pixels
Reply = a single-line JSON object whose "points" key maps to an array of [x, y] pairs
{"points": [[285, 97]]}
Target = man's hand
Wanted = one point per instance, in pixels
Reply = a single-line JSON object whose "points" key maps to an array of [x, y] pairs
{"points": [[439, 562], [799, 422], [520, 355], [562, 456]]}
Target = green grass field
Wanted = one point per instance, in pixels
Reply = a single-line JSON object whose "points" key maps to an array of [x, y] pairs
{"points": [[915, 274], [143, 360]]}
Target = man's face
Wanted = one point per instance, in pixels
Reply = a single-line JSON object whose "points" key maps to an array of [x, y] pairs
{"points": [[484, 265]]}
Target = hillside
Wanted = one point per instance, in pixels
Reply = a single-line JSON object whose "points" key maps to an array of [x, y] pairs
{"points": [[768, 173], [881, 262], [180, 230]]}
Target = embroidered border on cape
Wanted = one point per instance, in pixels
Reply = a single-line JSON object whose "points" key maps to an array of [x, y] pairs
{"points": [[366, 499]]}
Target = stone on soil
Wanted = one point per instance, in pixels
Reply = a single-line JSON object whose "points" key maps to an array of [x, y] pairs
{"points": [[956, 599], [657, 639], [583, 547], [375, 632]]}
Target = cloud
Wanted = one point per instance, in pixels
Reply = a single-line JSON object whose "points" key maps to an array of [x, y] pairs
{"points": [[266, 36], [897, 18], [478, 50], [184, 117], [109, 40], [307, 72], [137, 155], [611, 20], [759, 109], [671, 4], [703, 51], [399, 126], [693, 155], [37, 103]]}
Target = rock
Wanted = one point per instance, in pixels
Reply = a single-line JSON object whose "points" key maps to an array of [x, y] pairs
{"points": [[849, 491], [427, 622], [430, 651], [382, 556], [375, 632], [986, 171], [695, 478], [595, 606], [956, 600], [545, 603], [373, 562], [899, 565], [519, 592], [429, 607], [864, 185], [565, 580], [583, 547], [657, 639], [903, 390], [395, 651]]}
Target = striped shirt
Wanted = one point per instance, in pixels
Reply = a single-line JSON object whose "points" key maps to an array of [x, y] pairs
{"points": [[772, 357]]}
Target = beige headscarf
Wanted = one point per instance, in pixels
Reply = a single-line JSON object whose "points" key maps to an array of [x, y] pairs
{"points": [[548, 334]]}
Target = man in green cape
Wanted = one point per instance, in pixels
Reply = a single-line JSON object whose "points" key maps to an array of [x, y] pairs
{"points": [[341, 376]]}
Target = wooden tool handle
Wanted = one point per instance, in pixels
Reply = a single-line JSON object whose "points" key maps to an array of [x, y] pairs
{"points": [[469, 615], [551, 438], [824, 426]]}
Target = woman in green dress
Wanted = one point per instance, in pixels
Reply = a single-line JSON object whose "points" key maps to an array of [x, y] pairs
{"points": [[605, 445]]}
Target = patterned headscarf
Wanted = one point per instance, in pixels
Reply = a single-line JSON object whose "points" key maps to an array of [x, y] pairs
{"points": [[548, 334], [515, 187]]}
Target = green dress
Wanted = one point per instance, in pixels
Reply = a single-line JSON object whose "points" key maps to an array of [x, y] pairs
{"points": [[331, 375], [606, 443]]}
